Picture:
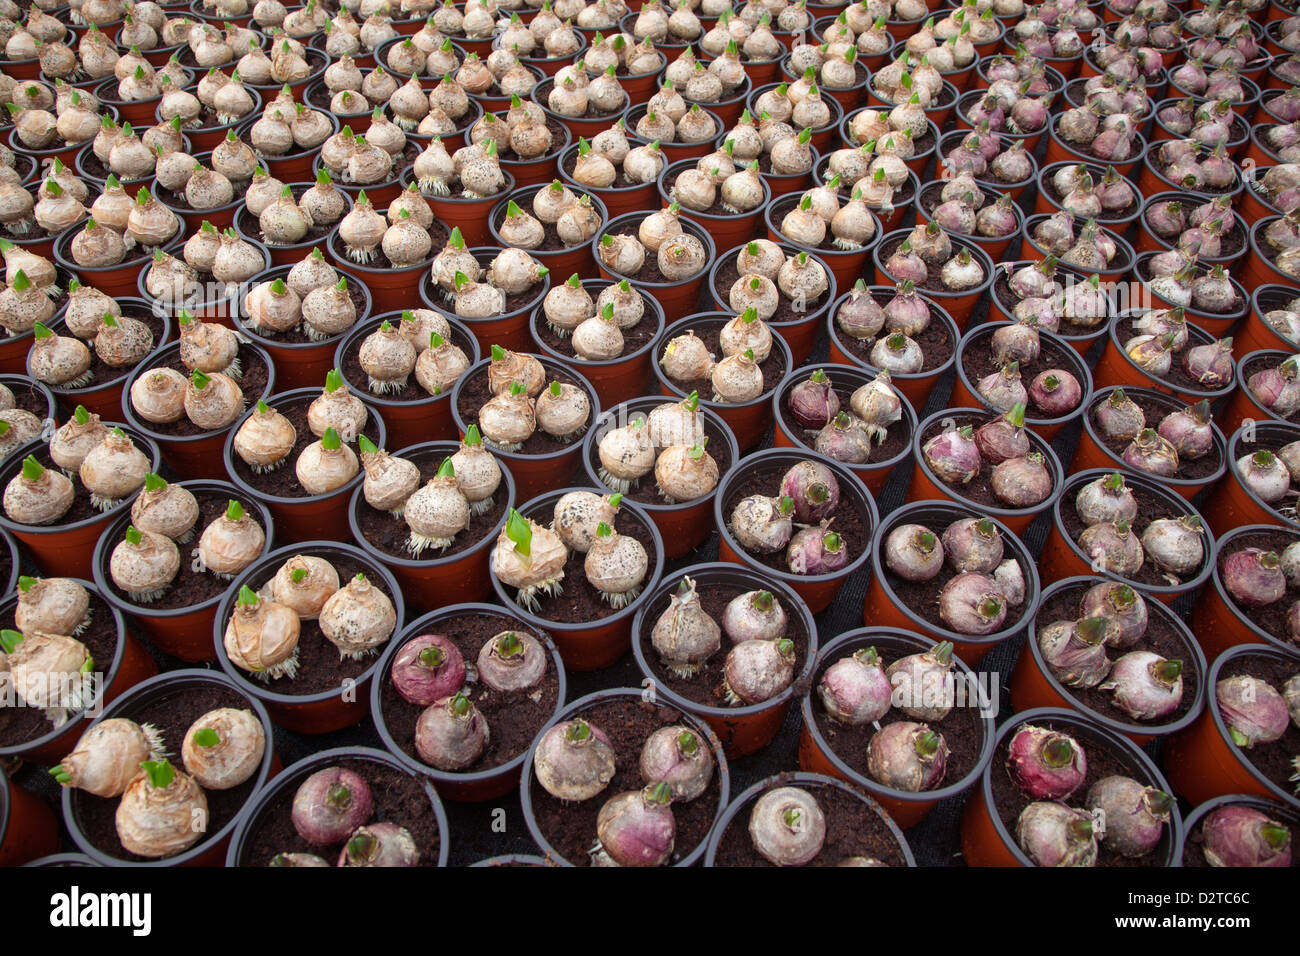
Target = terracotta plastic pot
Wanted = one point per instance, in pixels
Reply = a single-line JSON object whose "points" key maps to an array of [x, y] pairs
{"points": [[938, 112], [303, 517], [595, 644], [847, 99], [1063, 557], [1230, 502], [926, 485], [531, 792], [469, 785], [139, 113], [965, 391], [1151, 179], [587, 125], [9, 553], [137, 705], [883, 606], [64, 550], [924, 147], [471, 216], [206, 138], [509, 330], [302, 362], [286, 783], [334, 707], [1033, 685], [684, 525], [387, 288], [618, 200], [676, 298], [1242, 406], [182, 632], [1254, 333], [1271, 808], [960, 305], [817, 755], [737, 813], [1061, 150], [532, 473], [744, 729], [987, 841], [845, 380], [130, 664], [564, 261], [823, 137], [514, 859], [817, 590], [190, 456], [748, 421], [1047, 200], [535, 172], [28, 830], [1217, 620], [900, 201], [408, 420], [1092, 451], [962, 121], [435, 580], [915, 386], [618, 379], [1203, 762]]}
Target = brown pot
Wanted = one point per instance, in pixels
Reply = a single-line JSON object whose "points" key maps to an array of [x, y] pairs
{"points": [[1002, 304], [617, 200], [1253, 333], [847, 266], [1047, 200], [960, 305], [727, 229], [248, 228], [1214, 324]]}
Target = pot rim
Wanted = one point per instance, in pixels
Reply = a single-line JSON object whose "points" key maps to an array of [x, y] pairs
{"points": [[131, 265], [697, 726], [713, 422], [267, 342], [593, 285], [220, 127], [703, 572], [688, 323], [242, 129], [1129, 728], [433, 448], [310, 53], [1113, 738], [464, 340], [379, 687], [800, 778], [1212, 708], [635, 219], [1262, 637], [865, 636], [110, 536], [653, 573], [828, 97], [286, 778], [1033, 586], [163, 681], [1154, 486], [1079, 369], [1235, 440], [850, 485], [484, 255], [110, 674], [9, 468], [852, 143], [1152, 394], [832, 370], [407, 177], [270, 561], [545, 161], [1043, 447]]}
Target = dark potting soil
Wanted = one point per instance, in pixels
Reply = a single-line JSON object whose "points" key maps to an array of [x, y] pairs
{"points": [[192, 587], [100, 371], [706, 685], [252, 382], [932, 281], [979, 490], [319, 666], [897, 437], [962, 730], [570, 828], [1160, 638], [1275, 760], [389, 534], [399, 798], [296, 335], [852, 829], [1272, 617], [513, 718], [283, 482], [649, 272], [708, 331], [28, 397], [579, 601], [634, 339], [646, 489], [1155, 410], [1010, 801], [728, 274], [1048, 186], [1258, 364], [977, 362], [173, 716], [1008, 300], [1150, 508], [936, 340], [475, 393], [852, 525], [1194, 844], [20, 724]]}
